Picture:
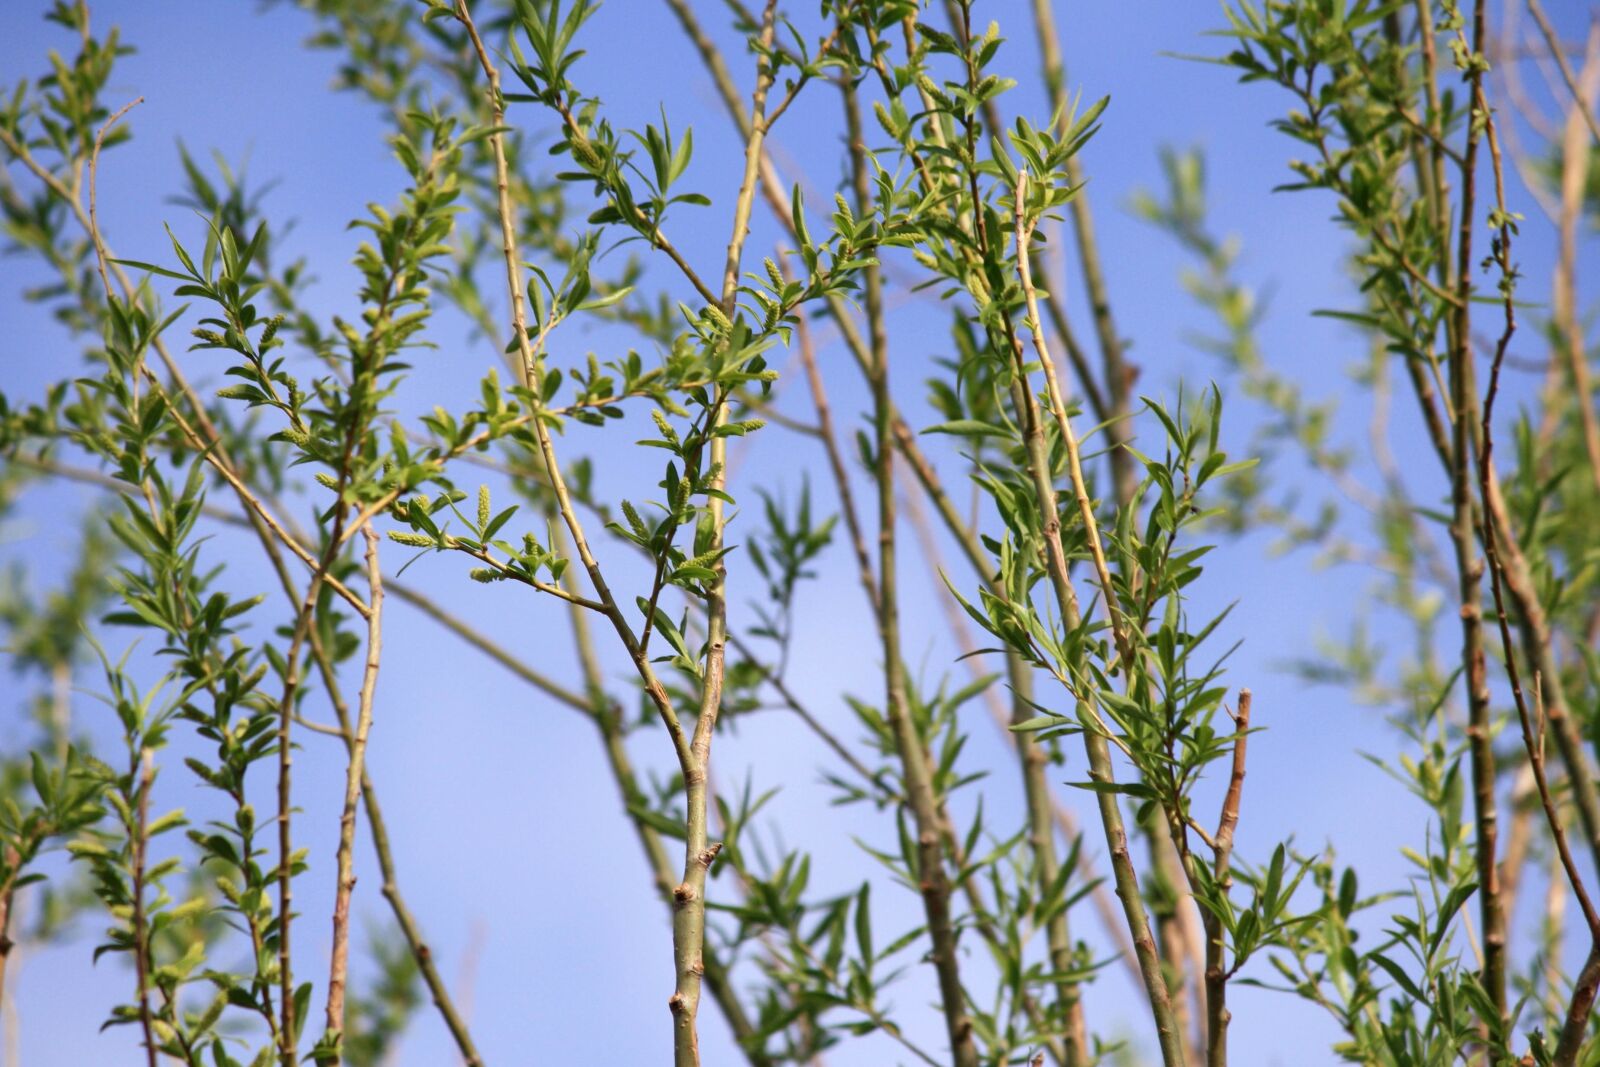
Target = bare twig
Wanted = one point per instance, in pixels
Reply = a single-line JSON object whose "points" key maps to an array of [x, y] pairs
{"points": [[338, 971], [1217, 972], [100, 254], [1469, 569], [1588, 983], [1558, 53], [1118, 374], [1564, 296]]}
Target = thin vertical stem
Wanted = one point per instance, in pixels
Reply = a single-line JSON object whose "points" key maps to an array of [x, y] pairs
{"points": [[688, 897], [933, 881], [1469, 568], [338, 972], [1118, 375], [378, 832], [1216, 973], [1168, 1029], [688, 921], [1585, 988], [836, 464], [1574, 179]]}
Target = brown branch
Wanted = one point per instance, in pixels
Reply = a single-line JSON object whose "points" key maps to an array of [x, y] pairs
{"points": [[608, 718], [1564, 295], [100, 253], [338, 971], [1517, 573], [1553, 42], [1119, 375], [1469, 569], [836, 464], [1216, 972], [1168, 1030], [1584, 991], [1021, 682]]}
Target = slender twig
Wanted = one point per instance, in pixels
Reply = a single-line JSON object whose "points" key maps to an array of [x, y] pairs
{"points": [[693, 755], [689, 913], [1058, 405], [648, 228], [1118, 375], [338, 972], [1558, 53], [1168, 1028], [270, 533], [1468, 567], [1216, 973], [531, 375], [1564, 299], [378, 831], [254, 503], [1588, 984], [608, 718], [100, 254], [836, 464]]}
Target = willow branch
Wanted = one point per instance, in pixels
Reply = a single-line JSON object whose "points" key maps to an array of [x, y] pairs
{"points": [[531, 376], [836, 464], [338, 971], [1118, 375], [1584, 991], [1168, 1028], [1217, 972], [1468, 567], [1574, 177], [1058, 406], [1579, 98], [608, 718]]}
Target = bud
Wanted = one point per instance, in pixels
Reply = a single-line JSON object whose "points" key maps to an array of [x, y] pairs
{"points": [[270, 332], [664, 426], [584, 152]]}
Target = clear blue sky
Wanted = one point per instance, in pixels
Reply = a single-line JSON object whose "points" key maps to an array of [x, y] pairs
{"points": [[511, 845]]}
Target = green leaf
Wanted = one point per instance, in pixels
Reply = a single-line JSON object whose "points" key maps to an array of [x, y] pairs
{"points": [[967, 428]]}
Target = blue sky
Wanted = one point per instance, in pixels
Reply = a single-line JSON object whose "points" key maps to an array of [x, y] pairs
{"points": [[547, 914]]}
